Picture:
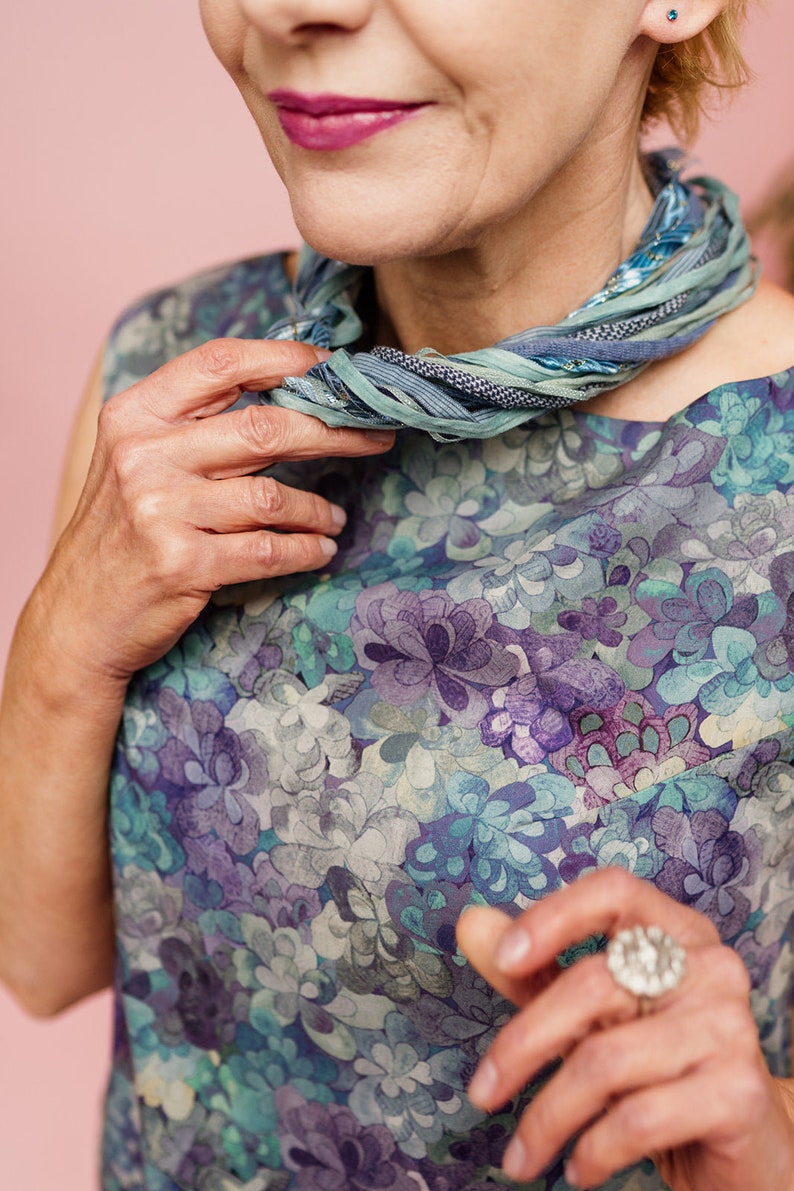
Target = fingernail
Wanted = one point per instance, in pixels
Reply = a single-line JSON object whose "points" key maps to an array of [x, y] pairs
{"points": [[328, 547], [572, 1174], [515, 1159], [338, 516], [380, 435], [513, 950], [484, 1085], [321, 354]]}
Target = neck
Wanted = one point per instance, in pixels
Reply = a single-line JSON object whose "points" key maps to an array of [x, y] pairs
{"points": [[533, 269]]}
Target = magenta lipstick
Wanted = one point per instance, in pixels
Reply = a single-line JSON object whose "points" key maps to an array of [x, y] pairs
{"points": [[329, 122]]}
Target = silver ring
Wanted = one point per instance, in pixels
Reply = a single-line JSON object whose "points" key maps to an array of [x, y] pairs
{"points": [[646, 961]]}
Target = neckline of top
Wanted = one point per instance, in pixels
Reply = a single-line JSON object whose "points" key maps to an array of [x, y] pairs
{"points": [[595, 421]]}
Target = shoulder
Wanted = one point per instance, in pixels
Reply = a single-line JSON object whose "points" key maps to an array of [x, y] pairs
{"points": [[240, 299], [758, 339]]}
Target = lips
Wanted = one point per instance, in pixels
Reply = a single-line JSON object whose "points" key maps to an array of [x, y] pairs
{"points": [[329, 122]]}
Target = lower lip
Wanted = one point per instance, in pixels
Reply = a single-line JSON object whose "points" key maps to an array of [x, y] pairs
{"points": [[339, 130]]}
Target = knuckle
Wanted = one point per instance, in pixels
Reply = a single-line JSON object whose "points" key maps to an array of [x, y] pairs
{"points": [[736, 1027], [148, 511], [260, 430], [637, 1118], [597, 985], [266, 552], [111, 418], [173, 562], [729, 966], [219, 359], [546, 1120], [751, 1093], [128, 458], [599, 1060], [270, 499], [620, 884]]}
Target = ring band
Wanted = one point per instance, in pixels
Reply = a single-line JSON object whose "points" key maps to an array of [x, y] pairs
{"points": [[646, 961]]}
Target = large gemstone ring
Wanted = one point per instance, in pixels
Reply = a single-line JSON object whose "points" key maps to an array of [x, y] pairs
{"points": [[646, 961]]}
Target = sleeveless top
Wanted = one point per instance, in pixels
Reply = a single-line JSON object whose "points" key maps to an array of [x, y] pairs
{"points": [[567, 647]]}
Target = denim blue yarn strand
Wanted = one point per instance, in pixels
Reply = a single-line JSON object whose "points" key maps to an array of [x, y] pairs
{"points": [[692, 263]]}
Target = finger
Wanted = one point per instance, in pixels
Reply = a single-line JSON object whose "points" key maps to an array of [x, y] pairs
{"points": [[211, 377], [479, 931], [609, 1064], [257, 502], [586, 997], [599, 903], [253, 438], [716, 1100], [244, 557]]}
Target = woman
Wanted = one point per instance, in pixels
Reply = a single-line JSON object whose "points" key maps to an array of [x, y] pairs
{"points": [[529, 645]]}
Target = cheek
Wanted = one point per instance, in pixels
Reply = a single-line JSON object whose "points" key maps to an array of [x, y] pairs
{"points": [[224, 26]]}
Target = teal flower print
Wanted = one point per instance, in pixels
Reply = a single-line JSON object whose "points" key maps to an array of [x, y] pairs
{"points": [[756, 455], [403, 1085], [683, 619], [498, 840], [722, 686], [140, 827], [530, 573], [443, 496]]}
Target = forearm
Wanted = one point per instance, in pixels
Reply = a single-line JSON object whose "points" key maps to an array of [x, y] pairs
{"points": [[58, 722]]}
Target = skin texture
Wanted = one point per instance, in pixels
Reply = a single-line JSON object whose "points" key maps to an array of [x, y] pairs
{"points": [[505, 202]]}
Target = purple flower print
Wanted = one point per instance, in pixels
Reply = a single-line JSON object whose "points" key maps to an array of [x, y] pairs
{"points": [[599, 620], [201, 1012], [220, 776], [329, 1150], [774, 658], [278, 900], [621, 750], [419, 641], [470, 1019], [256, 887], [682, 621], [709, 866], [429, 914], [532, 716]]}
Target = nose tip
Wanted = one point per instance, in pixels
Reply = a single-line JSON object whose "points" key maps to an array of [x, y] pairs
{"points": [[293, 20]]}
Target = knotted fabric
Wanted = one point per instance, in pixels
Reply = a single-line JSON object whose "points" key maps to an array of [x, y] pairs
{"points": [[692, 264]]}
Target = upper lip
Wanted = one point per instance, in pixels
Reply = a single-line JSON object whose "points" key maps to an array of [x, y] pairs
{"points": [[314, 104]]}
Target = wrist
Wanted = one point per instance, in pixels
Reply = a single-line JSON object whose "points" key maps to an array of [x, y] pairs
{"points": [[55, 659]]}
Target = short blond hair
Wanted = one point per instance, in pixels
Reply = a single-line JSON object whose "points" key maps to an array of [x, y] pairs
{"points": [[685, 75]]}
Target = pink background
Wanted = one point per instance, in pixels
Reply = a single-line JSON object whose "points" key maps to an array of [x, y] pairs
{"points": [[129, 161]]}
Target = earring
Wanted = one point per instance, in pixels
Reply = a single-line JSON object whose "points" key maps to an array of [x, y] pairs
{"points": [[672, 14]]}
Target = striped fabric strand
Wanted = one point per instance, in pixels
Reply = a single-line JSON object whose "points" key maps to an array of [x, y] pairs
{"points": [[693, 263]]}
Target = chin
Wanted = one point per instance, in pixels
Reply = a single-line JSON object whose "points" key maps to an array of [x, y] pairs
{"points": [[372, 227]]}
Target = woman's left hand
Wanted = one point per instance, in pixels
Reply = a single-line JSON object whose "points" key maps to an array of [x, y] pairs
{"points": [[685, 1084]]}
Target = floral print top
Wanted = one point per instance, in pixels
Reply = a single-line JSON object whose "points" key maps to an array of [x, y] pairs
{"points": [[567, 647]]}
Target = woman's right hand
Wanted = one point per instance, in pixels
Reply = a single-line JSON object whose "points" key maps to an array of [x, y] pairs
{"points": [[170, 510]]}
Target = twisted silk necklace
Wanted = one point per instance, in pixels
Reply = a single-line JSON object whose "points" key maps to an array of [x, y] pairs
{"points": [[692, 264]]}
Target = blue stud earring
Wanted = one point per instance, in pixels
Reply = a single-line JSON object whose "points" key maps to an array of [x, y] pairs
{"points": [[672, 14]]}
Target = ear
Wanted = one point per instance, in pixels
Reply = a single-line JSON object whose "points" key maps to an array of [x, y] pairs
{"points": [[693, 16]]}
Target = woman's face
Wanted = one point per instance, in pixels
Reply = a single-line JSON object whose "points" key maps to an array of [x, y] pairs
{"points": [[499, 96]]}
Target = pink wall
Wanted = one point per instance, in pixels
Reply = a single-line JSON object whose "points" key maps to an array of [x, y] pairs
{"points": [[128, 161]]}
